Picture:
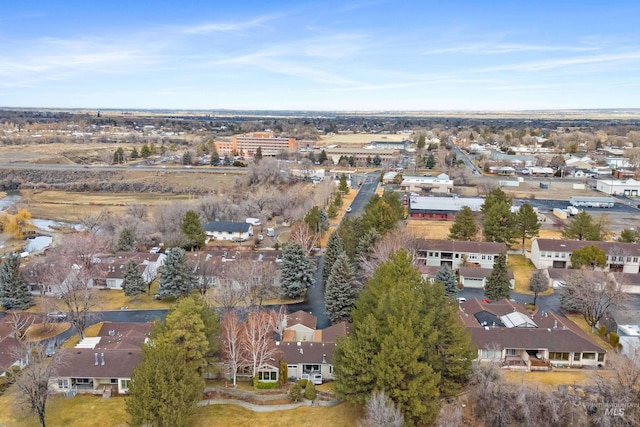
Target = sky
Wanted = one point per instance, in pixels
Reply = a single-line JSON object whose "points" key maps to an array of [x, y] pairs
{"points": [[320, 55]]}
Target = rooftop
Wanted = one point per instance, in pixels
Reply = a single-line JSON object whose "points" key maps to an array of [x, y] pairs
{"points": [[450, 204]]}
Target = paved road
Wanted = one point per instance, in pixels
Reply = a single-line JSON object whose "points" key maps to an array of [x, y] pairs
{"points": [[544, 302], [314, 302], [461, 155], [367, 189]]}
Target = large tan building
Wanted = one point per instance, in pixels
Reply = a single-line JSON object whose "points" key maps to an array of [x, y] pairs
{"points": [[248, 144]]}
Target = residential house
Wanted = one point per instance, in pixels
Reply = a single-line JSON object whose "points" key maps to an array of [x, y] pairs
{"points": [[309, 351], [555, 253], [102, 364], [453, 253], [476, 277], [228, 230], [504, 332], [114, 267]]}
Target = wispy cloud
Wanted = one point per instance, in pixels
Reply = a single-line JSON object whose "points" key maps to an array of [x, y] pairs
{"points": [[230, 26], [532, 66], [496, 49]]}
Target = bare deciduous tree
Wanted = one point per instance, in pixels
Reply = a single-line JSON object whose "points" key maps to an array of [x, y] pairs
{"points": [[381, 411], [450, 416], [382, 250], [591, 293], [208, 271], [259, 346], [232, 339], [302, 235], [32, 382]]}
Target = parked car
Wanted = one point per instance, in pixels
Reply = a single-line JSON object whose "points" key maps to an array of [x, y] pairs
{"points": [[461, 299], [349, 209], [57, 315], [314, 377]]}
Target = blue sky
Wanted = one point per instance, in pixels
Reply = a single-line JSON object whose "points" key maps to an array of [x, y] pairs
{"points": [[323, 55]]}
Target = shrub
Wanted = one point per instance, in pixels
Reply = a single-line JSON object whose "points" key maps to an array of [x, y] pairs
{"points": [[310, 391], [603, 331], [614, 339], [284, 369], [295, 394], [303, 383], [266, 385]]}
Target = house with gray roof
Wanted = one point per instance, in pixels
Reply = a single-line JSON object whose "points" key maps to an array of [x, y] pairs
{"points": [[506, 333], [228, 230]]}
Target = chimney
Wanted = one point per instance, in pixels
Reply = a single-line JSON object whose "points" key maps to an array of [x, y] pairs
{"points": [[102, 354], [96, 359]]}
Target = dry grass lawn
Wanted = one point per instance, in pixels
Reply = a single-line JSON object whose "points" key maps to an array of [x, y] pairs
{"points": [[429, 229], [43, 331], [92, 411], [550, 380], [579, 320]]}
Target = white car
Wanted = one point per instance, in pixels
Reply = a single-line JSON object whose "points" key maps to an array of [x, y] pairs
{"points": [[461, 299], [349, 209]]}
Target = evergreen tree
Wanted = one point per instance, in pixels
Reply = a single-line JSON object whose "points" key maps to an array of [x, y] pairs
{"points": [[192, 228], [323, 157], [164, 390], [628, 236], [465, 227], [589, 256], [126, 241], [430, 163], [118, 156], [367, 242], [296, 271], [133, 284], [177, 278], [215, 157], [14, 290], [186, 158], [341, 290], [526, 222], [145, 151], [343, 187], [421, 142], [134, 154], [350, 230], [258, 156], [379, 215], [332, 252], [448, 279], [369, 161], [494, 197], [582, 227], [377, 160], [499, 223], [498, 285], [316, 220], [332, 212], [405, 341]]}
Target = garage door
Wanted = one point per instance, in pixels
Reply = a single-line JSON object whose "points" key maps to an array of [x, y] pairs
{"points": [[469, 282]]}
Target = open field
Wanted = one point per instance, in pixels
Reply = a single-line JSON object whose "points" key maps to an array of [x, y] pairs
{"points": [[93, 411], [68, 206]]}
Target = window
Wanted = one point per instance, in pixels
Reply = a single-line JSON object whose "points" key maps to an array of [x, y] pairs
{"points": [[489, 257], [588, 356], [473, 257], [558, 356], [511, 352], [331, 369], [83, 381], [484, 257], [563, 255], [274, 376], [628, 259], [635, 259], [557, 255], [310, 368], [457, 256], [124, 384], [576, 356], [600, 357], [63, 383], [430, 254], [491, 354], [114, 381]]}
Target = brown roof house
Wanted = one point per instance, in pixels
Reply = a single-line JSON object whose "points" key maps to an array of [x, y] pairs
{"points": [[437, 253], [103, 364], [113, 267], [309, 351], [505, 333]]}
